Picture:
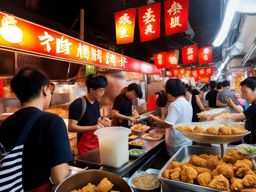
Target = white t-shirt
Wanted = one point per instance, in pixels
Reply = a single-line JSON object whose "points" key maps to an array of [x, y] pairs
{"points": [[179, 111]]}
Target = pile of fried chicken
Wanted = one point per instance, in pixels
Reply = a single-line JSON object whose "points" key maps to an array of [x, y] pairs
{"points": [[231, 173], [223, 130]]}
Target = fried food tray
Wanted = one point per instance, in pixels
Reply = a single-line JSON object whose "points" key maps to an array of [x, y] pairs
{"points": [[182, 156]]}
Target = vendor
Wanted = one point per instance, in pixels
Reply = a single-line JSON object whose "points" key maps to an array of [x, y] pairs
{"points": [[122, 111], [179, 111], [248, 89], [84, 114]]}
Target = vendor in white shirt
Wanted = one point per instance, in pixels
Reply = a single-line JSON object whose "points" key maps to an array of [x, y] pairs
{"points": [[179, 111]]}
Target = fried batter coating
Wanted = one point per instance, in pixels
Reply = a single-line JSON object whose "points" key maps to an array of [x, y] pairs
{"points": [[204, 178], [237, 131], [225, 169], [219, 182], [174, 164], [232, 156], [202, 170], [215, 173], [175, 174], [188, 174], [166, 174], [197, 161], [236, 184], [249, 180], [241, 169], [89, 188], [184, 128], [198, 129], [205, 156], [225, 131], [212, 131], [247, 162], [212, 162], [249, 190], [104, 186], [78, 190]]}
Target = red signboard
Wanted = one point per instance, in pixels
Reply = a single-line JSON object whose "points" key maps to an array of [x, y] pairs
{"points": [[1, 88], [205, 55], [160, 60], [176, 72], [176, 16], [125, 24], [149, 21], [172, 58], [189, 54], [169, 73], [210, 71], [19, 34]]}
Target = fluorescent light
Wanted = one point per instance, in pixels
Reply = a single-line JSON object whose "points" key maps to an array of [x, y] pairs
{"points": [[231, 8], [222, 66]]}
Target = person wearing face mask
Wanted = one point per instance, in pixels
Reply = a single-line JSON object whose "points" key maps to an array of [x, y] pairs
{"points": [[248, 90], [87, 121], [122, 111]]}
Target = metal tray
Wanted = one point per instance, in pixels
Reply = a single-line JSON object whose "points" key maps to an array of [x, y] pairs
{"points": [[183, 156]]}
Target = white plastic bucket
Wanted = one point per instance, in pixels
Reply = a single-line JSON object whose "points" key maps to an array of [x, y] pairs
{"points": [[113, 143]]}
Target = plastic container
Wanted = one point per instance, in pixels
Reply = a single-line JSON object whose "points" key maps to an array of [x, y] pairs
{"points": [[113, 142]]}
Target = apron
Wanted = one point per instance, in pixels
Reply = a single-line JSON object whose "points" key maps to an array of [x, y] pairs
{"points": [[87, 142]]}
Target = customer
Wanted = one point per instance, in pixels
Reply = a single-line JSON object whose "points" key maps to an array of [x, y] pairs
{"points": [[224, 95], [218, 87], [248, 89], [46, 150], [179, 111], [211, 96], [84, 114], [122, 111]]}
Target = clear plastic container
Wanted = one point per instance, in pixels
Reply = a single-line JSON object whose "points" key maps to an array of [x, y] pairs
{"points": [[113, 143]]}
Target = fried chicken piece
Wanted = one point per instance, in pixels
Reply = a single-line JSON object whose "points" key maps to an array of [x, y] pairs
{"points": [[241, 169], [204, 178], [247, 162], [166, 174], [236, 184], [104, 186], [212, 131], [89, 188], [202, 170], [225, 131], [198, 129], [249, 190], [184, 128], [232, 156], [225, 169], [205, 156], [175, 174], [249, 180], [219, 182], [250, 173], [78, 190], [215, 173], [174, 164], [188, 174], [197, 161], [212, 162], [237, 131]]}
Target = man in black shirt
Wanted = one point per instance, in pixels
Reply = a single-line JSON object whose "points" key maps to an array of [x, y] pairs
{"points": [[122, 108], [211, 96], [46, 150]]}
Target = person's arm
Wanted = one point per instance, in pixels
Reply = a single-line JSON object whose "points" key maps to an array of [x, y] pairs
{"points": [[238, 116], [158, 120], [73, 127], [234, 106], [59, 173], [118, 115], [206, 103], [219, 104], [199, 103]]}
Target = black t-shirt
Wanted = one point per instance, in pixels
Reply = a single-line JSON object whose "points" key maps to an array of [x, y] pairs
{"points": [[47, 144], [124, 106], [250, 123], [196, 109], [211, 97], [91, 115]]}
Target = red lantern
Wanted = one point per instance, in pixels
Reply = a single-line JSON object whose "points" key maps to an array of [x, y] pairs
{"points": [[172, 58], [176, 16], [125, 24], [189, 54], [159, 59], [149, 21], [205, 55]]}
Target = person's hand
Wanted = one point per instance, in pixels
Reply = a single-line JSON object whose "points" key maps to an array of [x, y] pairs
{"points": [[132, 119], [151, 117], [99, 125], [104, 121]]}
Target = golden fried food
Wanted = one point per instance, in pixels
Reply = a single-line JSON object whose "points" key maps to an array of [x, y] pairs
{"points": [[89, 188], [104, 186], [241, 169], [249, 180], [211, 131], [198, 129], [212, 162], [247, 162], [225, 131], [249, 190], [215, 173], [139, 127], [184, 128], [225, 169], [237, 131], [79, 190], [202, 170], [174, 164], [197, 161], [175, 174], [236, 184], [204, 178], [219, 182], [204, 156], [250, 173], [188, 174], [232, 156]]}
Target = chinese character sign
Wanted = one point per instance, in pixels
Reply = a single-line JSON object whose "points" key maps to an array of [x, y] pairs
{"points": [[125, 24], [205, 55], [210, 71], [176, 16], [172, 58], [189, 54], [159, 60], [149, 22]]}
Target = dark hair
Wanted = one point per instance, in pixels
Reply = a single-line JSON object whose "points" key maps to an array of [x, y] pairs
{"points": [[213, 84], [96, 82], [195, 92], [225, 83], [135, 87], [175, 87], [189, 89], [27, 83], [249, 82], [219, 85], [161, 99]]}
